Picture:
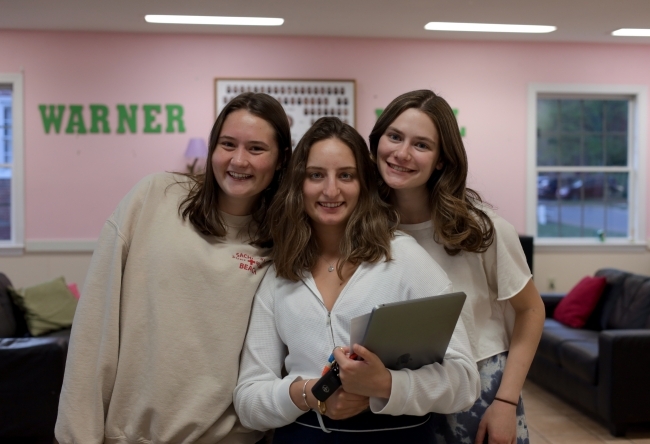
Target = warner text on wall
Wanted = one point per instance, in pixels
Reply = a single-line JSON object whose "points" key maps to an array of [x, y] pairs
{"points": [[74, 119]]}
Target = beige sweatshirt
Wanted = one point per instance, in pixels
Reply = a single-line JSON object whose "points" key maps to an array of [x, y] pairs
{"points": [[156, 339]]}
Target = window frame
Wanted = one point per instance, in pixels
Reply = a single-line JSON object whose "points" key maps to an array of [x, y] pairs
{"points": [[638, 96], [16, 244]]}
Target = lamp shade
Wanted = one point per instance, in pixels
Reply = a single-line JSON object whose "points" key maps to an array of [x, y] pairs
{"points": [[196, 148]]}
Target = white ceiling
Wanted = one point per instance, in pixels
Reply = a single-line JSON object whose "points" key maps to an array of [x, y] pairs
{"points": [[576, 20]]}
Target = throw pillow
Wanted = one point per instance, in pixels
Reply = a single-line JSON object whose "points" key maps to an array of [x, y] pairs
{"points": [[48, 306], [75, 290], [579, 303]]}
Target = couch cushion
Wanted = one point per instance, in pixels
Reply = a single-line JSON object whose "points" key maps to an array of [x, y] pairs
{"points": [[574, 309], [555, 334], [48, 306], [631, 308], [581, 359], [615, 279]]}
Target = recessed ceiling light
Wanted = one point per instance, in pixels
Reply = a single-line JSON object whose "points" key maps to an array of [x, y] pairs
{"points": [[632, 32], [487, 27], [213, 20]]}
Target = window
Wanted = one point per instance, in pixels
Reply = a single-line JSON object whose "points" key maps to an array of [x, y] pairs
{"points": [[11, 163], [587, 179]]}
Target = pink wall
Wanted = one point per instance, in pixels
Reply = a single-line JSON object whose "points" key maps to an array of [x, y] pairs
{"points": [[73, 182]]}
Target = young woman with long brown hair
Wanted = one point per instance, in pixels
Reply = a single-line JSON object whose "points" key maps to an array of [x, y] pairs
{"points": [[337, 255], [155, 345], [421, 158]]}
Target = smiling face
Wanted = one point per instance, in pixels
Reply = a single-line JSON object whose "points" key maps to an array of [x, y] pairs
{"points": [[331, 188], [244, 161], [409, 151]]}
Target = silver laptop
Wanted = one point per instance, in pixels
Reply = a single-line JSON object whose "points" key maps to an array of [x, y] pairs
{"points": [[409, 334]]}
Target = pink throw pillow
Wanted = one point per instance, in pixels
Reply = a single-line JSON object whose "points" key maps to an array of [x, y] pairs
{"points": [[74, 290], [579, 303]]}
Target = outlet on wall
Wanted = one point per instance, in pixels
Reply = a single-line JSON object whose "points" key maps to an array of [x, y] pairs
{"points": [[551, 283]]}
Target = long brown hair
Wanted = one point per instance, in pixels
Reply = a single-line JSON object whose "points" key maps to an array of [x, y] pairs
{"points": [[201, 204], [459, 223], [371, 225]]}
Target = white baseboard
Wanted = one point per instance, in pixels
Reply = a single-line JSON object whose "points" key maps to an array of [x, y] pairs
{"points": [[61, 246]]}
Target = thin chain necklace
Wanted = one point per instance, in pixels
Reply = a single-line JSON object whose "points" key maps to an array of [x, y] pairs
{"points": [[331, 267]]}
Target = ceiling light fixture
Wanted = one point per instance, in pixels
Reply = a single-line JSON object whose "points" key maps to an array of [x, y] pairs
{"points": [[632, 32], [213, 20], [487, 27]]}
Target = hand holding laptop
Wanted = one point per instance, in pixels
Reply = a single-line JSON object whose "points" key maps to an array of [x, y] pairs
{"points": [[407, 334], [362, 372]]}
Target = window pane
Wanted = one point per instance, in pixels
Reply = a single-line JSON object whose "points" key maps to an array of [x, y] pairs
{"points": [[592, 187], [617, 221], [593, 219], [593, 115], [617, 205], [6, 151], [570, 115], [616, 115], [548, 219], [617, 187], [616, 150], [569, 150], [547, 151], [547, 115], [5, 203], [547, 186], [547, 205], [594, 155], [571, 219], [5, 126]]}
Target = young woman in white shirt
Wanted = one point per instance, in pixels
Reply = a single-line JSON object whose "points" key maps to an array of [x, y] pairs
{"points": [[423, 166], [336, 255]]}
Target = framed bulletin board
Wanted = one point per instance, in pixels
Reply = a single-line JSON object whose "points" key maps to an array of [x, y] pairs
{"points": [[304, 101]]}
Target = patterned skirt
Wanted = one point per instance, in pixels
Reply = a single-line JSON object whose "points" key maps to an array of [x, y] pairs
{"points": [[462, 427]]}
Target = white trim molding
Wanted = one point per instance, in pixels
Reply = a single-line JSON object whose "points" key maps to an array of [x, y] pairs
{"points": [[17, 179], [639, 93], [61, 246]]}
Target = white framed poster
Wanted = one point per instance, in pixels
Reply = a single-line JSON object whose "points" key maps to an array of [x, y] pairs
{"points": [[304, 101]]}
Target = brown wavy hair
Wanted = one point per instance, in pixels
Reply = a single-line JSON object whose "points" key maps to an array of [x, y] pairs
{"points": [[202, 203], [459, 223], [371, 225]]}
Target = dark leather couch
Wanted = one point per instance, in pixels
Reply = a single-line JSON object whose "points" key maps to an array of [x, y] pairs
{"points": [[31, 375], [604, 368]]}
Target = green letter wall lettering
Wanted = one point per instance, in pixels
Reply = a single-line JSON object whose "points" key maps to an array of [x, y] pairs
{"points": [[53, 118], [462, 128], [174, 113], [76, 120], [99, 114], [124, 116], [150, 118]]}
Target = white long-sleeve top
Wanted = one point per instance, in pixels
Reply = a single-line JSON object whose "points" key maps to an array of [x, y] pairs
{"points": [[290, 326]]}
